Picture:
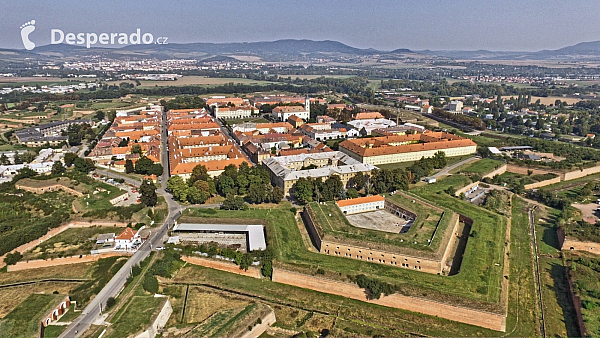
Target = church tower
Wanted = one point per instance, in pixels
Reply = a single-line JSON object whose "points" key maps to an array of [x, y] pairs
{"points": [[307, 104]]}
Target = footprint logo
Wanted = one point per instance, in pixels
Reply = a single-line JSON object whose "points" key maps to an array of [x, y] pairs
{"points": [[26, 29]]}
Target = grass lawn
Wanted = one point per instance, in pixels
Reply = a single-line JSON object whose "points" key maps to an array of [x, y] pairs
{"points": [[135, 316], [585, 273], [99, 200], [522, 317], [352, 318], [81, 270], [71, 242], [481, 167], [571, 188], [477, 284], [24, 320]]}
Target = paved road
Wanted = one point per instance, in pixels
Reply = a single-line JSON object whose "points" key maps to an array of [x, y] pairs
{"points": [[446, 170], [92, 312], [226, 132]]}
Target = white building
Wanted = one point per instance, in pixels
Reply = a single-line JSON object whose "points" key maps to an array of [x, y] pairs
{"points": [[239, 112], [361, 204], [283, 113], [127, 240], [365, 127]]}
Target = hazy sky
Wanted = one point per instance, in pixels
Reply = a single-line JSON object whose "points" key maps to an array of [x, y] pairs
{"points": [[522, 25]]}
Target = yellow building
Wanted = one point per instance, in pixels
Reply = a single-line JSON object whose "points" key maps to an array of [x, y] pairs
{"points": [[406, 148]]}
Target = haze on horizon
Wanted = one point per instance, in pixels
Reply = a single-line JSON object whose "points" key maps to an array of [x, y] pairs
{"points": [[509, 25]]}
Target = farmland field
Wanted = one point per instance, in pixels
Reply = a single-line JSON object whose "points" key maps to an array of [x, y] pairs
{"points": [[195, 81]]}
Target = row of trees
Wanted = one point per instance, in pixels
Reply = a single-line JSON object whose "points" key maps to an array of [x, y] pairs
{"points": [[252, 182], [143, 166], [381, 181]]}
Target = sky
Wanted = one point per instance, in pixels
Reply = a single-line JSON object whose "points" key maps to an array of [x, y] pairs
{"points": [[508, 25]]}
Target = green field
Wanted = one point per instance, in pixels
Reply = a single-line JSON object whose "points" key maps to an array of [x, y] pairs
{"points": [[337, 228], [195, 81], [480, 167], [71, 242], [585, 274], [24, 320], [135, 316], [476, 285]]}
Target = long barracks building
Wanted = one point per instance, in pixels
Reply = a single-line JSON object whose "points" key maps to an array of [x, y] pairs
{"points": [[406, 148]]}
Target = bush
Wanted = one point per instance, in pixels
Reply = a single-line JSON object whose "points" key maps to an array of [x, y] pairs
{"points": [[150, 284], [110, 302], [12, 258], [267, 269]]}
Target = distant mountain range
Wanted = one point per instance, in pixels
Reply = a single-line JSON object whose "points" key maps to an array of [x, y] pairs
{"points": [[289, 50]]}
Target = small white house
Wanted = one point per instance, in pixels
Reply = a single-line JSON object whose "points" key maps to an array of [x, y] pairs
{"points": [[361, 204], [430, 179]]}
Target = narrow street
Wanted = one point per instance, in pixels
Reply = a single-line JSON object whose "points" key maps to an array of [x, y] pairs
{"points": [[93, 310]]}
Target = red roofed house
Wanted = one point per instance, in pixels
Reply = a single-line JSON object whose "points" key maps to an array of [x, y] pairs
{"points": [[361, 204], [127, 240]]}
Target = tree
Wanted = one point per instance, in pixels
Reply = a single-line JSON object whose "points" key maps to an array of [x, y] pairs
{"points": [[246, 261], [129, 166], [148, 195], [110, 302], [4, 160], [12, 258], [124, 142], [277, 194], [177, 186], [84, 165], [225, 185], [27, 157], [198, 173], [196, 196], [256, 193], [332, 187], [150, 283], [58, 168], [202, 186], [69, 159], [303, 189], [359, 181], [136, 149], [233, 202], [352, 193]]}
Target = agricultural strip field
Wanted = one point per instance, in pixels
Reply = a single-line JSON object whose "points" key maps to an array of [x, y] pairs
{"points": [[195, 81], [477, 285]]}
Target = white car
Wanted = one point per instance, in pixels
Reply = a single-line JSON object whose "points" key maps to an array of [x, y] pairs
{"points": [[160, 248]]}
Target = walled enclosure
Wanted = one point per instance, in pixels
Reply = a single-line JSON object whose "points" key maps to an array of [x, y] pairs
{"points": [[434, 263]]}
